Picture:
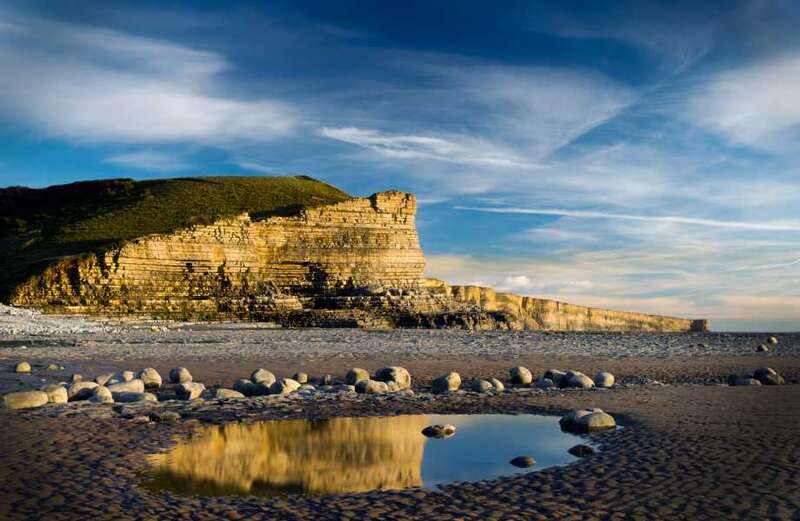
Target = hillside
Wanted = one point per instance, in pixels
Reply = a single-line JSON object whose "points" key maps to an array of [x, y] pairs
{"points": [[38, 226]]}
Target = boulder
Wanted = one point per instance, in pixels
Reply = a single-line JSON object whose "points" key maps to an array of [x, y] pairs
{"points": [[101, 394], [55, 393], [103, 378], [576, 380], [75, 378], [80, 390], [54, 367], [587, 420], [581, 451], [355, 375], [767, 376], [221, 394], [189, 390], [762, 349], [132, 397], [180, 375], [131, 386], [604, 379], [150, 377], [328, 379], [439, 431], [25, 400], [262, 376], [371, 387], [772, 340], [245, 386], [480, 386], [497, 384], [544, 383], [742, 381], [261, 389], [523, 462], [22, 367], [301, 378], [398, 375], [284, 386], [520, 375], [554, 375], [122, 376], [446, 383]]}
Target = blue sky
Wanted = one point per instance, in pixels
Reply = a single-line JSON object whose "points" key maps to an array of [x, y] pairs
{"points": [[632, 155]]}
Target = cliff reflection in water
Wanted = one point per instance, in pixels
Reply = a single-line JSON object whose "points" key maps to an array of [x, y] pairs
{"points": [[296, 456]]}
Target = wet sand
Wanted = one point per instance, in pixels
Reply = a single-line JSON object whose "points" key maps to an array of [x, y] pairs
{"points": [[691, 449]]}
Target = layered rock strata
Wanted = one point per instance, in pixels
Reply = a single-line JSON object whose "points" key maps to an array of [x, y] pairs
{"points": [[357, 263]]}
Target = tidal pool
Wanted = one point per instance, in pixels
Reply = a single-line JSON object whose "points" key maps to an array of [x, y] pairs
{"points": [[341, 455]]}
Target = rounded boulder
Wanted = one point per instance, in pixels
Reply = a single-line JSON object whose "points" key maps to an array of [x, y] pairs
{"points": [[356, 375], [398, 375], [55, 393], [25, 400], [520, 375], [179, 375], [446, 383]]}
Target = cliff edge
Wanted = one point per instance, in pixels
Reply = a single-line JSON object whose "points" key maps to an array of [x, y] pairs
{"points": [[288, 250]]}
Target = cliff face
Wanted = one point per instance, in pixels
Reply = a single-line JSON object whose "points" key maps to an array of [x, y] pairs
{"points": [[353, 263]]}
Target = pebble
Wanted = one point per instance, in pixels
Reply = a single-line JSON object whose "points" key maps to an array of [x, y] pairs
{"points": [[523, 462]]}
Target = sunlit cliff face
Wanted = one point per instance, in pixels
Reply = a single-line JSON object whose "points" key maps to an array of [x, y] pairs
{"points": [[290, 456]]}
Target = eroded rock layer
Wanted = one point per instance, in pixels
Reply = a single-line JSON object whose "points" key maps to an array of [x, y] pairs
{"points": [[357, 263]]}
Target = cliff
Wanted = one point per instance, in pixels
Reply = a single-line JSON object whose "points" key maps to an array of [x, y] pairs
{"points": [[353, 262]]}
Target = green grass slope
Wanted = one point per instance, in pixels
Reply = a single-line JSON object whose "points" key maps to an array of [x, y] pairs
{"points": [[38, 226]]}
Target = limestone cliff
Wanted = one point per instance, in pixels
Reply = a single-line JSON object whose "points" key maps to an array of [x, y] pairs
{"points": [[357, 262]]}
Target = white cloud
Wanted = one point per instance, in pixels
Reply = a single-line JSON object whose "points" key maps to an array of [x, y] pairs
{"points": [[793, 226], [459, 149], [149, 160], [95, 85], [758, 105]]}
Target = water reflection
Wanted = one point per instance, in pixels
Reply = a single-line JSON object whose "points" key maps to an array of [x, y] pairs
{"points": [[354, 454]]}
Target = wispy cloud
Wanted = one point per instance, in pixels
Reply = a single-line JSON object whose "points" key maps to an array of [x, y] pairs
{"points": [[756, 105], [149, 160], [740, 225], [95, 85]]}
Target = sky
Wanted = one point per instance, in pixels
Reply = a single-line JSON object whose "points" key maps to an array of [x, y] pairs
{"points": [[631, 155]]}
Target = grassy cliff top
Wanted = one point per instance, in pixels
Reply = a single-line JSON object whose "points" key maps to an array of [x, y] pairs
{"points": [[40, 225]]}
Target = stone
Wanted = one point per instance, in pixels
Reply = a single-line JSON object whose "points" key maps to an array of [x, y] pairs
{"points": [[762, 348], [328, 379], [179, 375], [122, 376], [75, 378], [54, 367], [568, 421], [767, 376], [133, 397], [596, 421], [308, 388], [150, 377], [104, 378], [371, 387], [284, 386], [131, 386], [25, 400], [356, 375], [55, 393], [523, 462], [343, 388], [398, 375], [439, 431], [446, 383], [772, 340], [301, 378], [223, 394], [544, 383], [576, 380], [497, 384], [22, 367], [554, 375], [101, 394], [581, 451], [742, 381], [262, 376], [480, 386], [604, 379], [261, 389], [80, 390], [245, 386], [520, 375], [189, 390]]}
